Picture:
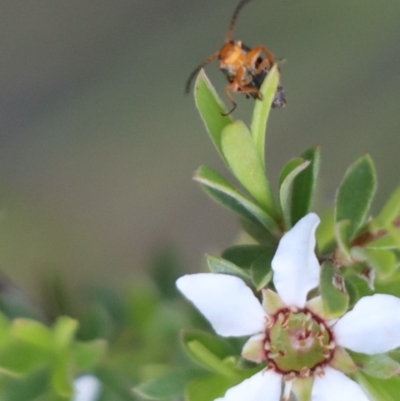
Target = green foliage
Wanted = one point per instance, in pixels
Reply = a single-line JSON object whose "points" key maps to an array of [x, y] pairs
{"points": [[223, 266], [333, 291], [359, 255], [262, 109], [225, 194], [31, 351], [168, 386], [241, 155], [355, 194], [289, 173], [211, 109], [304, 185], [132, 338]]}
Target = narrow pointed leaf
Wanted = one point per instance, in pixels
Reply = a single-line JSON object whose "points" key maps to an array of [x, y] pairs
{"points": [[288, 174], [61, 377], [262, 109], [245, 255], [64, 331], [259, 233], [241, 155], [218, 346], [355, 194], [255, 259], [380, 366], [87, 354], [224, 193], [390, 211], [20, 358], [223, 266], [378, 389], [382, 261], [304, 185], [169, 386], [211, 108], [206, 358], [342, 234], [386, 242], [33, 333], [261, 272], [325, 235], [208, 388], [333, 291]]}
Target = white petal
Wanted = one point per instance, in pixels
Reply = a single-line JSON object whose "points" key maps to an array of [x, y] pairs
{"points": [[225, 301], [263, 386], [334, 386], [87, 388], [296, 268], [372, 326]]}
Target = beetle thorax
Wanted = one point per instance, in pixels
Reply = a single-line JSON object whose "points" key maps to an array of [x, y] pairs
{"points": [[231, 56]]}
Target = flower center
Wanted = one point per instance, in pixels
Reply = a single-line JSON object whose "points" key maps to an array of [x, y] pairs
{"points": [[298, 342]]}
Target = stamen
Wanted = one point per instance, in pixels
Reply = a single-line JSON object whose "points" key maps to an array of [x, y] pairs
{"points": [[290, 376], [305, 372], [285, 320], [287, 390]]}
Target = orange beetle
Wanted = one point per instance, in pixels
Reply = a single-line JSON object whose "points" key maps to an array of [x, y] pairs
{"points": [[245, 68]]}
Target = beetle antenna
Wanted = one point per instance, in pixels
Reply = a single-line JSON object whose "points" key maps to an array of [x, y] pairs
{"points": [[197, 69], [233, 19]]}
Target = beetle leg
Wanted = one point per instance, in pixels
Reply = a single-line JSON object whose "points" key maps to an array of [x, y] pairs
{"points": [[228, 91], [254, 54], [235, 86]]}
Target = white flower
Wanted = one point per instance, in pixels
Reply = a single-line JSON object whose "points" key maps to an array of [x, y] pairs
{"points": [[87, 388], [290, 334]]}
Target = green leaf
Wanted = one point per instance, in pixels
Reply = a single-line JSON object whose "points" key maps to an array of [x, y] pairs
{"points": [[208, 388], [255, 259], [288, 174], [382, 261], [391, 286], [218, 346], [211, 109], [262, 109], [334, 296], [20, 358], [390, 211], [325, 234], [4, 331], [244, 255], [25, 388], [86, 355], [304, 185], [355, 194], [168, 386], [342, 234], [207, 359], [259, 233], [64, 331], [224, 193], [379, 390], [33, 333], [242, 158], [386, 242], [223, 266], [261, 272], [61, 378], [380, 366]]}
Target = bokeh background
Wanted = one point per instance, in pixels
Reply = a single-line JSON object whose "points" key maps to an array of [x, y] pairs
{"points": [[99, 142]]}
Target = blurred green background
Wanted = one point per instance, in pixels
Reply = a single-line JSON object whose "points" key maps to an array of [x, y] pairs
{"points": [[99, 142]]}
